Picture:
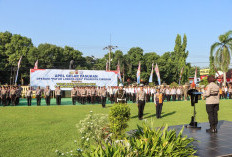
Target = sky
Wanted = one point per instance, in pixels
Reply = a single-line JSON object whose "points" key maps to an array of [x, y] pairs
{"points": [[88, 25]]}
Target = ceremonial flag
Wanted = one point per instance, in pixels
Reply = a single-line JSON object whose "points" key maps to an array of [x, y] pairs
{"points": [[157, 73], [138, 73], [36, 64], [19, 62], [151, 76], [181, 72], [118, 71]]}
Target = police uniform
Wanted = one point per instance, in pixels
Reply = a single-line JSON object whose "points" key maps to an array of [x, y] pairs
{"points": [[74, 95], [13, 96], [141, 100], [158, 100], [58, 95], [18, 94], [3, 94], [83, 95], [47, 94], [120, 96], [212, 105], [29, 94], [38, 96], [92, 95], [103, 97]]}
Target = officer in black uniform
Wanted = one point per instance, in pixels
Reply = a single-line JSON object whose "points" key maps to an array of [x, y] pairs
{"points": [[120, 95]]}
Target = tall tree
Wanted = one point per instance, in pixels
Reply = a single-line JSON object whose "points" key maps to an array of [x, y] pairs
{"points": [[222, 51]]}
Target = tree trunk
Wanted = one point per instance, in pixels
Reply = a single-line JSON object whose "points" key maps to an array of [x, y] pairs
{"points": [[224, 78]]}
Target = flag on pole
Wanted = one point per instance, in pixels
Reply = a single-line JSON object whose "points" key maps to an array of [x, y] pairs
{"points": [[157, 73], [138, 73], [19, 62], [181, 72], [151, 76], [118, 71], [36, 64]]}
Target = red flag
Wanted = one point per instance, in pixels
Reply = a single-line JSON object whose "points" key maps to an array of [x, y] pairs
{"points": [[36, 65], [118, 71]]}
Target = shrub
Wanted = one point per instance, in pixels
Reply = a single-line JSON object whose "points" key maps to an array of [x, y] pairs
{"points": [[119, 116], [149, 142], [93, 128]]}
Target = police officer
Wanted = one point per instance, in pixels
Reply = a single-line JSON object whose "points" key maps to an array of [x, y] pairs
{"points": [[13, 96], [18, 94], [83, 95], [120, 95], [58, 95], [29, 94], [141, 100], [212, 103], [74, 95], [158, 100], [47, 94], [103, 96], [93, 95], [3, 95], [38, 93]]}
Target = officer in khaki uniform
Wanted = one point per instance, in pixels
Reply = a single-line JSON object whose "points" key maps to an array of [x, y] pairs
{"points": [[103, 96], [74, 95], [3, 96], [13, 96], [120, 95], [141, 100], [58, 95], [92, 95], [38, 95], [83, 95], [47, 94], [29, 94], [212, 103]]}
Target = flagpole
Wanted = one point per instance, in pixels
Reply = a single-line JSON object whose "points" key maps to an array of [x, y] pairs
{"points": [[16, 78]]}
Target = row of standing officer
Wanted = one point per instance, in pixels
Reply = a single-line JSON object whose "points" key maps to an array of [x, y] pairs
{"points": [[89, 94], [10, 95]]}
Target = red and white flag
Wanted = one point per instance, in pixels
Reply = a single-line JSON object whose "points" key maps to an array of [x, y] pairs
{"points": [[118, 71], [36, 64], [19, 62]]}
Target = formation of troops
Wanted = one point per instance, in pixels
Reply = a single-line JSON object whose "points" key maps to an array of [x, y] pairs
{"points": [[10, 95]]}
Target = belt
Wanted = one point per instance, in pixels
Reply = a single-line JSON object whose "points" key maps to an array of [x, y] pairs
{"points": [[213, 94], [121, 99]]}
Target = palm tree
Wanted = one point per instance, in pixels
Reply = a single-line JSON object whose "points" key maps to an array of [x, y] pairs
{"points": [[222, 51]]}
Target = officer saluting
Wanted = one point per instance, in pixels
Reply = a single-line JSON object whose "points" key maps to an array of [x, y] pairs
{"points": [[140, 98], [103, 96], [120, 95]]}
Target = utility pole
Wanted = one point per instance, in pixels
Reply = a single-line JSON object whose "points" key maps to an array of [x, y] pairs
{"points": [[110, 48]]}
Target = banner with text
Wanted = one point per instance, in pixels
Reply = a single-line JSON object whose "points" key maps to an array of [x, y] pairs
{"points": [[66, 79]]}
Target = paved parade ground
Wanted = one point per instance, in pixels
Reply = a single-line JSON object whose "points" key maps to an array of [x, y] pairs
{"points": [[39, 131]]}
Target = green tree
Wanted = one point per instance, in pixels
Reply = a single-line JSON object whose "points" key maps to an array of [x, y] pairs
{"points": [[222, 51]]}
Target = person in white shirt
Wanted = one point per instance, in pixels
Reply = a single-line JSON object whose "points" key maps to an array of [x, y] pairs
{"points": [[167, 93], [178, 92]]}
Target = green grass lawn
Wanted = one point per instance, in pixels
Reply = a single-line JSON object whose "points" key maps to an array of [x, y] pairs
{"points": [[39, 131]]}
